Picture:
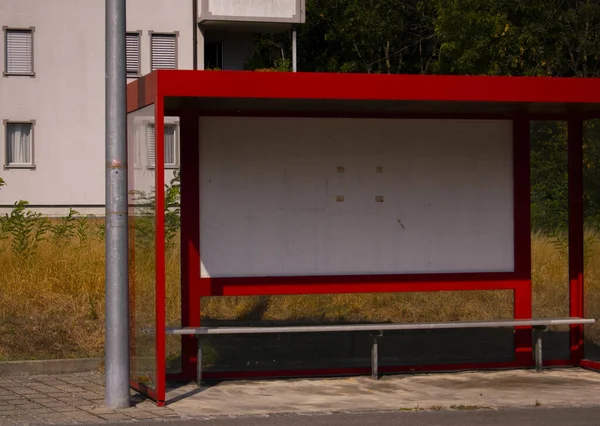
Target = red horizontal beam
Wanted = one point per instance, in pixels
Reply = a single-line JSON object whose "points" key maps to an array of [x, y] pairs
{"points": [[591, 365], [240, 84], [254, 286]]}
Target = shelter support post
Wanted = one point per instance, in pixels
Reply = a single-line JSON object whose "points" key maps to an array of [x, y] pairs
{"points": [[576, 307], [375, 355], [538, 331], [522, 237], [190, 237], [199, 362]]}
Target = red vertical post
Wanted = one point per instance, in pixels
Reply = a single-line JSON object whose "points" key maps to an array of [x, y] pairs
{"points": [[160, 295], [522, 237], [576, 253], [190, 237]]}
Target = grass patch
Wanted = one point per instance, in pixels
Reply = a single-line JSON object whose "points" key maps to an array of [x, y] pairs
{"points": [[52, 292]]}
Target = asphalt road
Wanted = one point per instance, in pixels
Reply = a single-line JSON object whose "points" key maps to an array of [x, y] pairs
{"points": [[521, 417]]}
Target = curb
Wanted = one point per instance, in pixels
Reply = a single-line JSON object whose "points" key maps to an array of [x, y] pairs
{"points": [[52, 366]]}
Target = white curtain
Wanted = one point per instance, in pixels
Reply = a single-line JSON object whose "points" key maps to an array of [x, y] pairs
{"points": [[19, 144], [170, 132]]}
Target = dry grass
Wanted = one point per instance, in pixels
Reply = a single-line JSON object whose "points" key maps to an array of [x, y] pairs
{"points": [[52, 306]]}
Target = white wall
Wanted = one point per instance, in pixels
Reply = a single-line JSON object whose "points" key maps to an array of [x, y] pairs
{"points": [[269, 190], [273, 10], [66, 96]]}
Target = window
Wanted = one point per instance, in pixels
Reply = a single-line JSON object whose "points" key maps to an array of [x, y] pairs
{"points": [[171, 145], [133, 55], [18, 52], [19, 144], [213, 55], [163, 48]]}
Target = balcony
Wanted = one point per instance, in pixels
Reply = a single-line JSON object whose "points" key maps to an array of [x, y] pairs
{"points": [[255, 15]]}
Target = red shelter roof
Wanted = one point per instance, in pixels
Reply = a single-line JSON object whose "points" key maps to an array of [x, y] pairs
{"points": [[249, 93]]}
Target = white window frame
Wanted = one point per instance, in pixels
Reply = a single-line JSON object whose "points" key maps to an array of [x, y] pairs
{"points": [[7, 164], [167, 166], [138, 35], [175, 35], [5, 31]]}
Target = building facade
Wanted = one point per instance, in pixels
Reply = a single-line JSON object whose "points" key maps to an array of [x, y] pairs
{"points": [[52, 90]]}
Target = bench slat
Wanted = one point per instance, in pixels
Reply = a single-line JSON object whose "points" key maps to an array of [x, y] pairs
{"points": [[379, 327]]}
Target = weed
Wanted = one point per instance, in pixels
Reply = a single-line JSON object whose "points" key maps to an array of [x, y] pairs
{"points": [[65, 228], [82, 229], [27, 230], [52, 301], [468, 407]]}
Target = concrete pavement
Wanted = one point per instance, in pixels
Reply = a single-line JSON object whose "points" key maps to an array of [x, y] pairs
{"points": [[515, 388], [79, 398]]}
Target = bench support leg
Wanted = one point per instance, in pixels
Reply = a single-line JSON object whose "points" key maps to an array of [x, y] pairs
{"points": [[538, 349], [375, 357], [199, 362]]}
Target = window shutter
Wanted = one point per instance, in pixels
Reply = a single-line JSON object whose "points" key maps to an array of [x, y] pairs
{"points": [[19, 52], [151, 140], [133, 54], [164, 51]]}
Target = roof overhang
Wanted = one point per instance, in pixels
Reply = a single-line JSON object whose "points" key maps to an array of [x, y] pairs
{"points": [[323, 94]]}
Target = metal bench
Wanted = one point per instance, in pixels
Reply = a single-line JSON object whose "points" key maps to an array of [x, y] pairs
{"points": [[538, 325]]}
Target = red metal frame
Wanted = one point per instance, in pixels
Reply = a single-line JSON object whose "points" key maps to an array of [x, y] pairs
{"points": [[517, 99], [190, 238], [159, 218], [576, 250]]}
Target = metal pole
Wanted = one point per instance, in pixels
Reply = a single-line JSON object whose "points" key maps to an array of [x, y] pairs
{"points": [[116, 270], [199, 361], [538, 349], [375, 356], [294, 51]]}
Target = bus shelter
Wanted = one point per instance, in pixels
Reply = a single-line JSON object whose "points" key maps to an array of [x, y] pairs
{"points": [[257, 184]]}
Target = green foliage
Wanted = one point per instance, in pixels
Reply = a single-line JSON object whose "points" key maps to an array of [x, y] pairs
{"points": [[64, 230], [549, 177], [27, 230], [82, 229], [144, 227], [2, 183], [475, 37]]}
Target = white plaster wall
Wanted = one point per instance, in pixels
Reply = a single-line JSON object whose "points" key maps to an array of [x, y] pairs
{"points": [[269, 189], [253, 8], [66, 96]]}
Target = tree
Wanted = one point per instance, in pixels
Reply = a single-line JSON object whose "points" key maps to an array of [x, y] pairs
{"points": [[559, 38]]}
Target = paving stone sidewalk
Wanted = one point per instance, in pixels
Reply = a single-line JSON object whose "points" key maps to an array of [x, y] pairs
{"points": [[68, 399]]}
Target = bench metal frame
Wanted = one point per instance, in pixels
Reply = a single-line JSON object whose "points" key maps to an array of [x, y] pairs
{"points": [[538, 326]]}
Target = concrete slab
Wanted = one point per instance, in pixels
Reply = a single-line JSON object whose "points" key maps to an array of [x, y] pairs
{"points": [[463, 391]]}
